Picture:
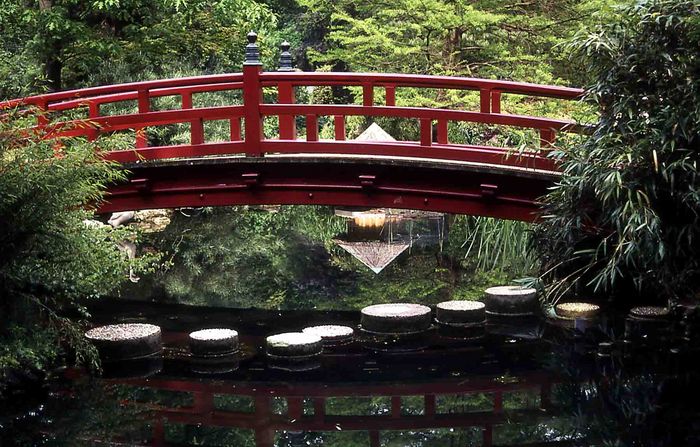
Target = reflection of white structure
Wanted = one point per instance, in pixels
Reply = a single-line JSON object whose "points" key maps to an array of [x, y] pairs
{"points": [[377, 237], [374, 254]]}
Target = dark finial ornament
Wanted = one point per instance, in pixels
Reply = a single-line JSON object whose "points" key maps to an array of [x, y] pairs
{"points": [[252, 53], [285, 57]]}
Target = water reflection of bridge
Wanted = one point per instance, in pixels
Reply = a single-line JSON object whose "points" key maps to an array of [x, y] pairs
{"points": [[265, 422]]}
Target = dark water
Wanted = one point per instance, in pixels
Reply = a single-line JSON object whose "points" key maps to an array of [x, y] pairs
{"points": [[524, 383]]}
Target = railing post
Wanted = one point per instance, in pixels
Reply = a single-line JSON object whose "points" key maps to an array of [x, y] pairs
{"points": [[547, 137], [196, 125], [485, 100], [93, 112], [495, 102], [252, 97], [367, 94], [339, 125], [390, 93], [144, 104], [426, 132], [42, 120], [442, 131], [285, 95]]}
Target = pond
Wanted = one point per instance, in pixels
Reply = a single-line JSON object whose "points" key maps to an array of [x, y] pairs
{"points": [[521, 383], [518, 380]]}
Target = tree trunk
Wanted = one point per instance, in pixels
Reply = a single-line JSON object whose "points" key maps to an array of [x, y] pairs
{"points": [[52, 62]]}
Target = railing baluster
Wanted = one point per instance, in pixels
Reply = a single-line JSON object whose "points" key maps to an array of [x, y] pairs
{"points": [[426, 132], [93, 112], [144, 105], [547, 137], [429, 402], [196, 125], [390, 91], [285, 95], [498, 402], [311, 128], [339, 124], [235, 128], [41, 119], [442, 132], [367, 94], [495, 102], [485, 100], [374, 440], [395, 407], [487, 436]]}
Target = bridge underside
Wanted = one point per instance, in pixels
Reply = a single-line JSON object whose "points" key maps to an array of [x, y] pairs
{"points": [[363, 181]]}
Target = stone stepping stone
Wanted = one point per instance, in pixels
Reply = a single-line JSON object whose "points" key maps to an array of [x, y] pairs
{"points": [[396, 318], [577, 310], [126, 341], [461, 313], [294, 344], [213, 342], [511, 301], [649, 312], [331, 335]]}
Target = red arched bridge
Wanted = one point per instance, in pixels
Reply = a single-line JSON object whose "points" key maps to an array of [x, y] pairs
{"points": [[430, 174]]}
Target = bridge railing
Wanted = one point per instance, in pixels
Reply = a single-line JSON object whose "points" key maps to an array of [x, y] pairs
{"points": [[248, 116]]}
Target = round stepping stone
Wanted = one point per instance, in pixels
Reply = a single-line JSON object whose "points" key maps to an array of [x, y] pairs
{"points": [[577, 310], [396, 318], [213, 342], [294, 344], [511, 301], [649, 312], [461, 313], [331, 334], [126, 341]]}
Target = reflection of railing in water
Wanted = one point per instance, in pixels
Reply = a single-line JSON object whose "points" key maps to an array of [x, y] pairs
{"points": [[265, 422]]}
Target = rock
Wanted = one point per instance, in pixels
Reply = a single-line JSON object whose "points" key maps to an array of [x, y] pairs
{"points": [[511, 301], [396, 318], [331, 334], [120, 218], [213, 342], [294, 344], [649, 312], [126, 341], [577, 310], [461, 313], [152, 221]]}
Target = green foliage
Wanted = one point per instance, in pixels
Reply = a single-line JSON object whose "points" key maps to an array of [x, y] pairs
{"points": [[53, 257], [98, 42], [624, 218]]}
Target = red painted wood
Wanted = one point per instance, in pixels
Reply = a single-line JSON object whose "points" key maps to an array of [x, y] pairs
{"points": [[367, 94], [395, 407], [430, 404], [390, 95], [196, 125], [442, 132], [235, 128], [485, 100], [496, 102], [311, 128], [251, 82], [144, 105], [252, 98], [426, 132], [287, 123], [547, 137], [339, 124], [418, 113]]}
